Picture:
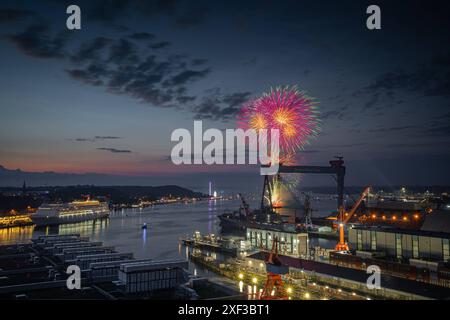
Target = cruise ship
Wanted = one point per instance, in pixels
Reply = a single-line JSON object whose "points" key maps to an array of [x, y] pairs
{"points": [[75, 211]]}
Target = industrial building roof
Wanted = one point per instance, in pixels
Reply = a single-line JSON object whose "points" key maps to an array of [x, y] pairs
{"points": [[437, 221]]}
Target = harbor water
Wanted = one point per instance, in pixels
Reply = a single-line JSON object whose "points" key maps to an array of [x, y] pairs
{"points": [[166, 224]]}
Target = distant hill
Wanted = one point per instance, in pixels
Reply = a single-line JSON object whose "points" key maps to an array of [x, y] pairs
{"points": [[127, 195], [15, 178]]}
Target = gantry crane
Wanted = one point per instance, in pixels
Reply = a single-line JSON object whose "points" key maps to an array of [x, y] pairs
{"points": [[274, 281], [336, 168], [345, 217]]}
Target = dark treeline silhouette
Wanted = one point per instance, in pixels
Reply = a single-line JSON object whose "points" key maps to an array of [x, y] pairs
{"points": [[19, 200]]}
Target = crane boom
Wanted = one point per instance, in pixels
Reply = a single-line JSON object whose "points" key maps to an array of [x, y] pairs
{"points": [[352, 211]]}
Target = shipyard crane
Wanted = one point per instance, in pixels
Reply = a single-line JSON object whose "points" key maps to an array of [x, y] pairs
{"points": [[345, 217], [307, 208], [336, 168], [274, 283], [245, 205]]}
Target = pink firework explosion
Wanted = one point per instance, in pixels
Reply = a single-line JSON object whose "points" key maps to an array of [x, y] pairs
{"points": [[286, 109]]}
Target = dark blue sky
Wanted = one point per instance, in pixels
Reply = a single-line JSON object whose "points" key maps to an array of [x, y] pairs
{"points": [[106, 98]]}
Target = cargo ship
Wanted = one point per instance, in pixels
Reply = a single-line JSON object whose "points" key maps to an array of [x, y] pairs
{"points": [[72, 212]]}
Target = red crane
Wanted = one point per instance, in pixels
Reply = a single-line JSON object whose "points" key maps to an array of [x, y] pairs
{"points": [[345, 217], [274, 281]]}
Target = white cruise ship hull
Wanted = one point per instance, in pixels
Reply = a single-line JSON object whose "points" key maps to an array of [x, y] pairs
{"points": [[55, 220]]}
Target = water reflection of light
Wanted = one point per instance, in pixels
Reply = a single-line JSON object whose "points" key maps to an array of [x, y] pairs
{"points": [[144, 236], [16, 234], [241, 286], [210, 216]]}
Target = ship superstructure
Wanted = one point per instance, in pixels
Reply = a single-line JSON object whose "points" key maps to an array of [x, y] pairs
{"points": [[75, 211]]}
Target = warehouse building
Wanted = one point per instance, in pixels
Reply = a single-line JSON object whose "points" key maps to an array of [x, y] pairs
{"points": [[400, 243], [146, 276], [289, 242]]}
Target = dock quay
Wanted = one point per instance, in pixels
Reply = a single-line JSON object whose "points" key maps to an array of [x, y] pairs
{"points": [[318, 280], [38, 270], [209, 246], [225, 246]]}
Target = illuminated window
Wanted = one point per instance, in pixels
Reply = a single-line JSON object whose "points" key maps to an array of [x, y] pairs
{"points": [[445, 249], [373, 240], [415, 246], [359, 239], [398, 245]]}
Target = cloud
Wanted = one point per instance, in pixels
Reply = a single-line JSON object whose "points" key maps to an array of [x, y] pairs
{"points": [[84, 76], [36, 41], [351, 145], [372, 101], [107, 137], [123, 52], [108, 10], [216, 106], [439, 128], [198, 62], [392, 129], [182, 13], [124, 65], [96, 138], [160, 45], [142, 36], [90, 50], [339, 113], [113, 150], [187, 76], [123, 68], [430, 79], [13, 15], [309, 151], [250, 61], [83, 140], [191, 13]]}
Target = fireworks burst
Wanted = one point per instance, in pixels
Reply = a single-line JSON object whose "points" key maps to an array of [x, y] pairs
{"points": [[286, 109], [282, 189], [295, 116]]}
